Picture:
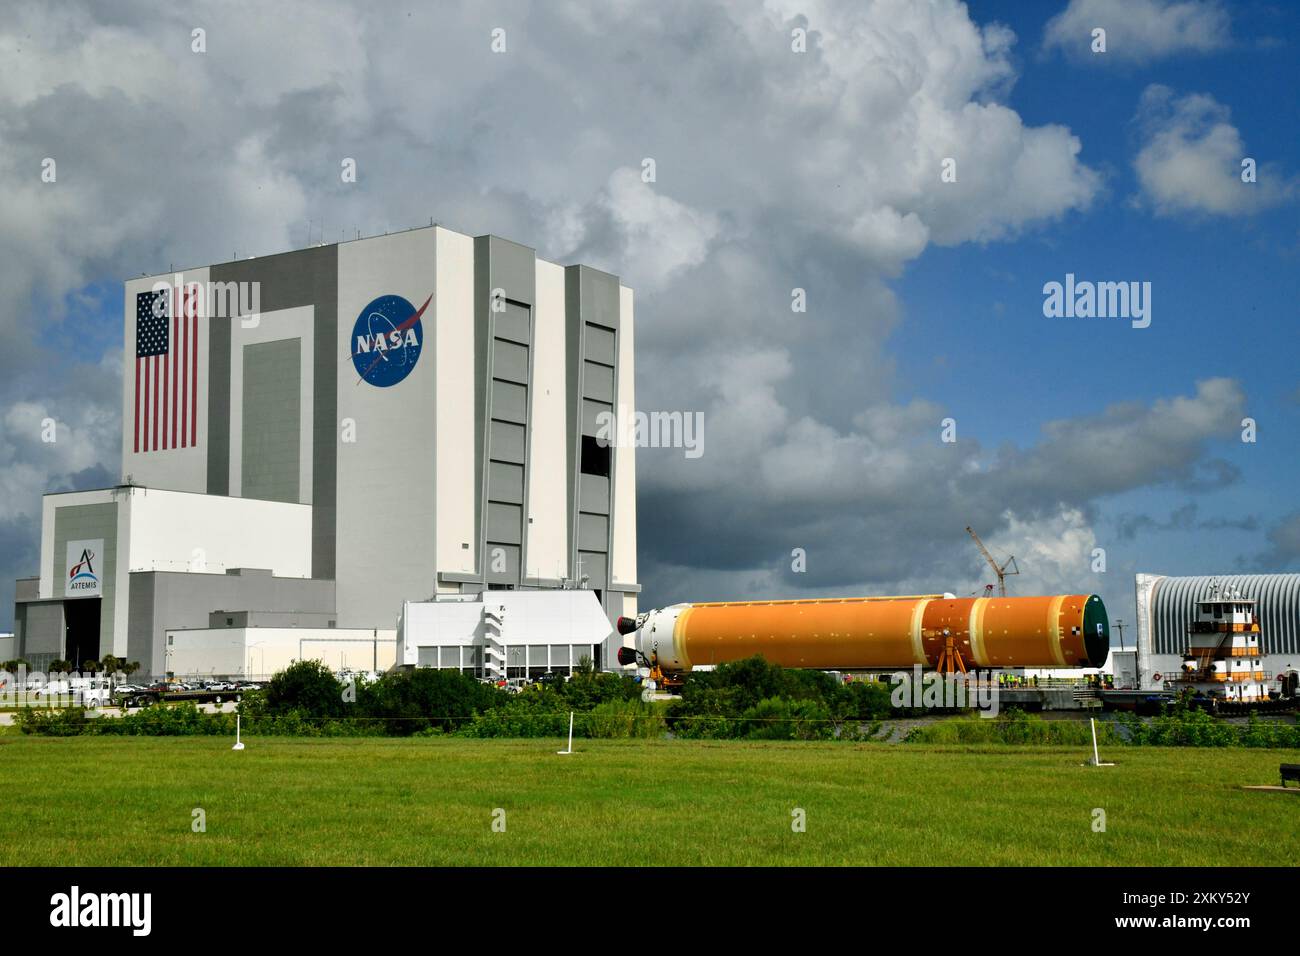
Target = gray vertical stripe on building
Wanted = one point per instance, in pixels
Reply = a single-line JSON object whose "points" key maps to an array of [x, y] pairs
{"points": [[503, 392], [140, 645], [272, 426], [218, 400], [289, 280], [592, 307]]}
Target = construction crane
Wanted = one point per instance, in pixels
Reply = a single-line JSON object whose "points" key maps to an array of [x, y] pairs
{"points": [[1000, 570]]}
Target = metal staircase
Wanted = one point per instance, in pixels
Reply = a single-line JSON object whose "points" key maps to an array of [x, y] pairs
{"points": [[494, 651]]}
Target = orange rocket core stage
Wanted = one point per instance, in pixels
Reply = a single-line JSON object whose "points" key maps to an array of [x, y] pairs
{"points": [[1066, 630]]}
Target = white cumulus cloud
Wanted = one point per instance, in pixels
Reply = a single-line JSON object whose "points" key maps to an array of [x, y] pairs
{"points": [[1139, 30]]}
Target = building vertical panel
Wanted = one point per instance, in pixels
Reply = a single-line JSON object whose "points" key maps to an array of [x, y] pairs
{"points": [[307, 282], [505, 294], [593, 306], [624, 523], [456, 437], [548, 499], [387, 522]]}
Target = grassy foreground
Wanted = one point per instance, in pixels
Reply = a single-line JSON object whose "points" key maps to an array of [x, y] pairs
{"points": [[129, 801]]}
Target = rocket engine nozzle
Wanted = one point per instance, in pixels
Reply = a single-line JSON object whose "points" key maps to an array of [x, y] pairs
{"points": [[626, 655], [626, 625]]}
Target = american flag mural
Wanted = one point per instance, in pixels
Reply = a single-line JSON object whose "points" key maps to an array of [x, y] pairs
{"points": [[166, 369]]}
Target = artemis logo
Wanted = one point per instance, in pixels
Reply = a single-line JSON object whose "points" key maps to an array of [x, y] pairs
{"points": [[83, 570], [386, 340], [103, 909]]}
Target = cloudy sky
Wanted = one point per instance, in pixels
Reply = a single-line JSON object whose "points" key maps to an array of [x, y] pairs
{"points": [[775, 170]]}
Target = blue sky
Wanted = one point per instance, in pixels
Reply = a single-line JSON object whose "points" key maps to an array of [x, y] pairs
{"points": [[1225, 290]]}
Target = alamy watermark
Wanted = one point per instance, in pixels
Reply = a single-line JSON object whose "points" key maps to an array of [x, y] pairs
{"points": [[935, 691], [1100, 300], [627, 428], [24, 688], [227, 300]]}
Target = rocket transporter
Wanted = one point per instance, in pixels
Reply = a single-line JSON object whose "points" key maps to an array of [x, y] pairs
{"points": [[942, 632]]}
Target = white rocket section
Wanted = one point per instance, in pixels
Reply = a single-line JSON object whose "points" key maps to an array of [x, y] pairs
{"points": [[658, 636], [177, 469], [453, 309], [547, 551], [387, 477]]}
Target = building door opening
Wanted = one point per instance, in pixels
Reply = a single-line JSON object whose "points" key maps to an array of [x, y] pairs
{"points": [[81, 631]]}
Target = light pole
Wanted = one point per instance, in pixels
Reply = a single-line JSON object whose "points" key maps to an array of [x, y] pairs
{"points": [[1119, 626], [261, 658], [243, 654]]}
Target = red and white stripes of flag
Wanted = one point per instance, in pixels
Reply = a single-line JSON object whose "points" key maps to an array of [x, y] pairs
{"points": [[167, 368]]}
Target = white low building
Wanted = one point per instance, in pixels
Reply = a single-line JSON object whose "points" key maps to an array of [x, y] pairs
{"points": [[257, 653], [512, 634]]}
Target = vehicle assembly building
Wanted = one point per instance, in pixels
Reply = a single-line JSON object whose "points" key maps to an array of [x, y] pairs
{"points": [[313, 439], [1167, 605]]}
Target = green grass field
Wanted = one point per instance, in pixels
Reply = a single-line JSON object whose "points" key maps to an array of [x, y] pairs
{"points": [[129, 801]]}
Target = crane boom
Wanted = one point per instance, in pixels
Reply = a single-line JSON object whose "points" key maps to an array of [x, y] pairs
{"points": [[1000, 570]]}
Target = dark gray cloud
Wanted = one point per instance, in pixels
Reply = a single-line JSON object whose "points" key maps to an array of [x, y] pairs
{"points": [[1129, 527], [1283, 552]]}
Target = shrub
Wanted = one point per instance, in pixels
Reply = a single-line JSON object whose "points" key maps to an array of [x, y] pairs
{"points": [[1269, 733], [412, 701], [588, 689], [69, 722], [178, 720], [777, 718], [705, 714], [305, 686]]}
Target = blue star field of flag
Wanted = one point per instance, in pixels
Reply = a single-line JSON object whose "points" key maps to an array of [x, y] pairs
{"points": [[151, 324]]}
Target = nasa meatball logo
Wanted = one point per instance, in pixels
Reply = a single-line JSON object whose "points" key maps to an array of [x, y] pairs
{"points": [[386, 340]]}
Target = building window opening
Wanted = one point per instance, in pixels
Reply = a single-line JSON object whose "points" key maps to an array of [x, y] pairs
{"points": [[595, 457]]}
